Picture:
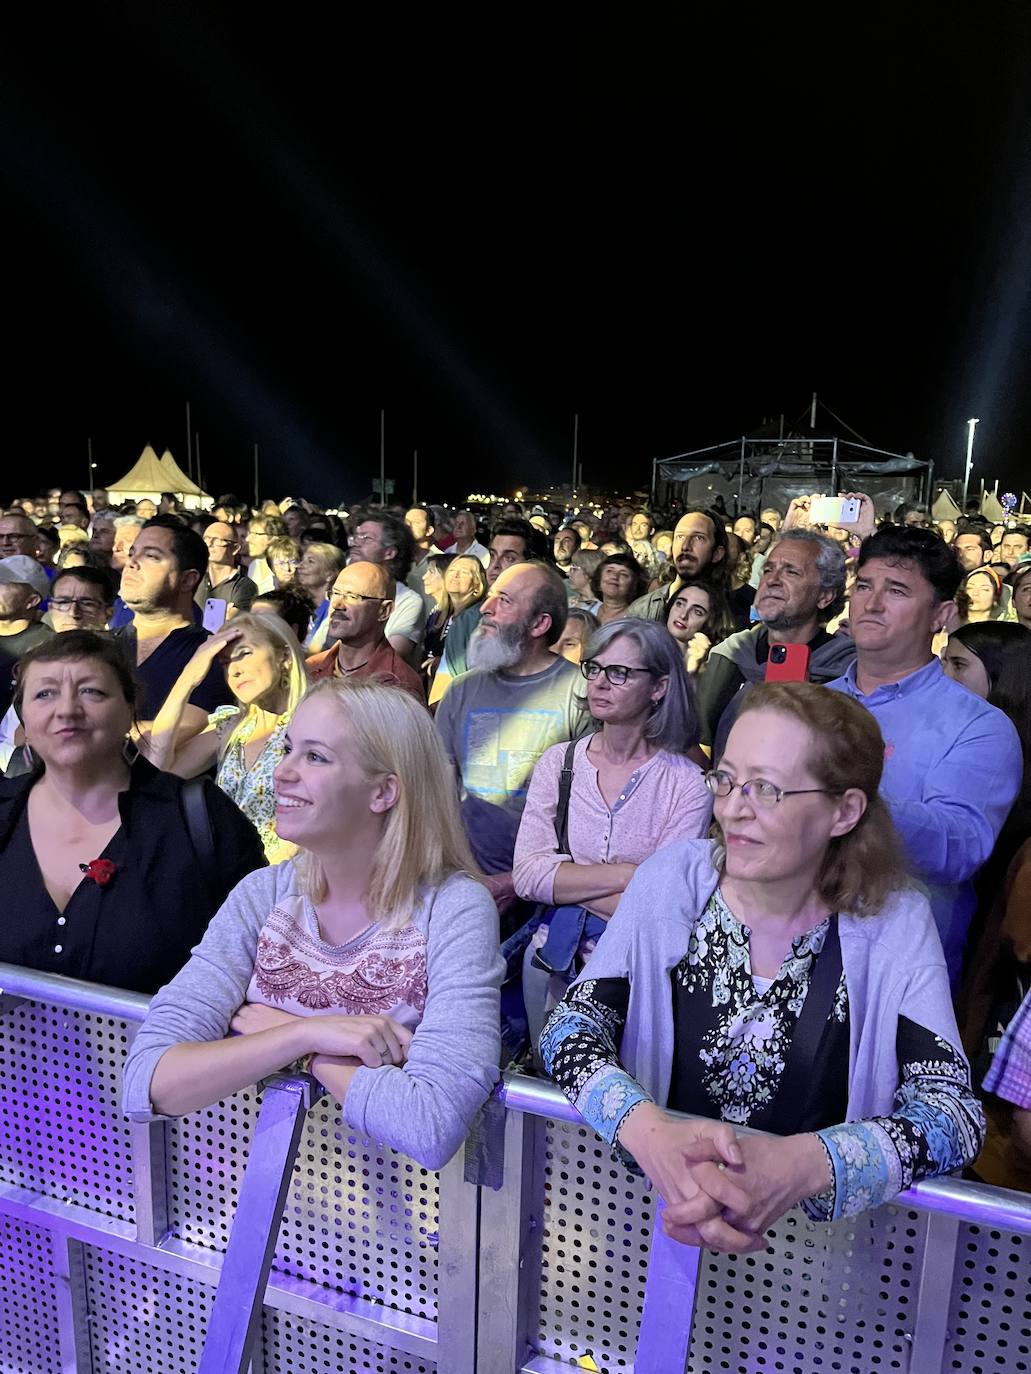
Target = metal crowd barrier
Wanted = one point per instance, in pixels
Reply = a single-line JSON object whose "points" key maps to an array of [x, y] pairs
{"points": [[277, 1239]]}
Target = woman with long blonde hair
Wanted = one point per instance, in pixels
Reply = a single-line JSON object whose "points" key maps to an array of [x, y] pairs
{"points": [[265, 673], [454, 583], [372, 957]]}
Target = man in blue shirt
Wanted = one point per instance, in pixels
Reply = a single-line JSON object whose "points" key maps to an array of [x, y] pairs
{"points": [[953, 763]]}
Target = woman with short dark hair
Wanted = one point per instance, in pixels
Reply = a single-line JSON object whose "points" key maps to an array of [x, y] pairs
{"points": [[101, 854]]}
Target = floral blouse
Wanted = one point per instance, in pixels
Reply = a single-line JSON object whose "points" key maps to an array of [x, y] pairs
{"points": [[733, 1044], [251, 788]]}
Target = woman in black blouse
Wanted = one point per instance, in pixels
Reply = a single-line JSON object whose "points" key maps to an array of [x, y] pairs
{"points": [[100, 877]]}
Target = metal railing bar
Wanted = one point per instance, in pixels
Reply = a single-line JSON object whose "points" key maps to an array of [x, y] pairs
{"points": [[72, 993], [974, 1202]]}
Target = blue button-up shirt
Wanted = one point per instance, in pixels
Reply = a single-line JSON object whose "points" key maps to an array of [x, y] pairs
{"points": [[952, 770]]}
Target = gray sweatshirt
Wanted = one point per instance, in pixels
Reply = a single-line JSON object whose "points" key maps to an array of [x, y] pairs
{"points": [[424, 1109]]}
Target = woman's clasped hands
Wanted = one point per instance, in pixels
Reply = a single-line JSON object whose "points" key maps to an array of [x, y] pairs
{"points": [[722, 1191]]}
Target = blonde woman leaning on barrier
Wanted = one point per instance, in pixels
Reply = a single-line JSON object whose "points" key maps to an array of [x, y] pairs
{"points": [[787, 980], [265, 673], [374, 952]]}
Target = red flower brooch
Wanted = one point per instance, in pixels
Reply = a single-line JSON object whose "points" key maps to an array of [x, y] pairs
{"points": [[99, 871]]}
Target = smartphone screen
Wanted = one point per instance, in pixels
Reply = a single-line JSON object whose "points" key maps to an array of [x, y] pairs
{"points": [[215, 611]]}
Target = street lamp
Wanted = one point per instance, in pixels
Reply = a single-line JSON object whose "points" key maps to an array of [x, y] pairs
{"points": [[971, 426]]}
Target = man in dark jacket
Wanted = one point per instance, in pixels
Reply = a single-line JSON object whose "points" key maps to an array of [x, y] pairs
{"points": [[801, 588]]}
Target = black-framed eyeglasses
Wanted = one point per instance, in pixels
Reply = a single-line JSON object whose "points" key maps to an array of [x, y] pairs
{"points": [[84, 603], [354, 598], [616, 673], [760, 790]]}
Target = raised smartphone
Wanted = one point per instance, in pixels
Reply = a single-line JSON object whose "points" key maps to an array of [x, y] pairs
{"points": [[215, 612], [834, 510]]}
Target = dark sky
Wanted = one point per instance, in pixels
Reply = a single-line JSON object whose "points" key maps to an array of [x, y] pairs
{"points": [[486, 226]]}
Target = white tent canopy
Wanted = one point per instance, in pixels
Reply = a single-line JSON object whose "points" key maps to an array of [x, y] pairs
{"points": [[150, 476]]}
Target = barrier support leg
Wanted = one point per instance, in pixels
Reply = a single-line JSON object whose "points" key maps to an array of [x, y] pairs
{"points": [[236, 1313], [669, 1301], [510, 1247], [934, 1297]]}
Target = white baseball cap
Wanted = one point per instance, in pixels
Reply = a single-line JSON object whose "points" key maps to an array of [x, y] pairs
{"points": [[21, 568]]}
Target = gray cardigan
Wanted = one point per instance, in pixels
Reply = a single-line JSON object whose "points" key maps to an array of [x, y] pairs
{"points": [[893, 965], [424, 1109]]}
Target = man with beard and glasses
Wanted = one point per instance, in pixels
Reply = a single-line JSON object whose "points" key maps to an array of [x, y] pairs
{"points": [[699, 553], [517, 699], [360, 603], [802, 587]]}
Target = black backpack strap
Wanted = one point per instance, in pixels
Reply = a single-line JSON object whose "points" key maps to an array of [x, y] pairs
{"points": [[565, 786], [796, 1082], [194, 806]]}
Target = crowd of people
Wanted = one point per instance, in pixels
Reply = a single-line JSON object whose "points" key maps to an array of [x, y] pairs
{"points": [[695, 812]]}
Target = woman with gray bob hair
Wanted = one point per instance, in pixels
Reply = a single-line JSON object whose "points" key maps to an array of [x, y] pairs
{"points": [[599, 806], [672, 722]]}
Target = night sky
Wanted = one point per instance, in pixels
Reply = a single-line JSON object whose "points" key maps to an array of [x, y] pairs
{"points": [[485, 226]]}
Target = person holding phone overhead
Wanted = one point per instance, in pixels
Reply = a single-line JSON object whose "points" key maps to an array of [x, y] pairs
{"points": [[802, 587]]}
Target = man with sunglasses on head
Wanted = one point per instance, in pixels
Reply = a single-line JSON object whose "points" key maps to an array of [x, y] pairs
{"points": [[516, 700], [360, 605]]}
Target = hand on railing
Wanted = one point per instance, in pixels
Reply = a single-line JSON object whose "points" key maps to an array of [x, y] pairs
{"points": [[689, 1164], [776, 1173]]}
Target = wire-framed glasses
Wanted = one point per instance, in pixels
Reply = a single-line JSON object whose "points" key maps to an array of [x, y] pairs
{"points": [[759, 790]]}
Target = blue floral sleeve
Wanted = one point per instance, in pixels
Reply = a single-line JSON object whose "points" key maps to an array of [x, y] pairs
{"points": [[937, 1128], [580, 1050]]}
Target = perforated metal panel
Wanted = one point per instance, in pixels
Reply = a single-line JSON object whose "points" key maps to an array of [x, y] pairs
{"points": [[293, 1346], [141, 1320], [360, 1218], [594, 1261], [61, 1132], [28, 1301], [836, 1297], [990, 1313]]}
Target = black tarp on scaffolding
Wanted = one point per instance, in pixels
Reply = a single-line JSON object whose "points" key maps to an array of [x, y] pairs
{"points": [[753, 473]]}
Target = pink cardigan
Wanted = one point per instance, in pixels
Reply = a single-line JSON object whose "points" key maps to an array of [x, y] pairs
{"points": [[665, 800]]}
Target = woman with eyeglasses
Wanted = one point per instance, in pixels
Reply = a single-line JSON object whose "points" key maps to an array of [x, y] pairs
{"points": [[631, 790], [783, 977], [283, 556]]}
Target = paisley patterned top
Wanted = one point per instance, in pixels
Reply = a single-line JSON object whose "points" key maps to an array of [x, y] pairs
{"points": [[377, 973], [742, 1049], [251, 788]]}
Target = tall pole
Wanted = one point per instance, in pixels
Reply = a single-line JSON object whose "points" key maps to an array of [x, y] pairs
{"points": [[256, 498], [382, 458], [189, 446], [576, 445], [812, 413], [971, 426]]}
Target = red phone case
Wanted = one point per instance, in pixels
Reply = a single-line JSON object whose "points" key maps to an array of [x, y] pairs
{"points": [[795, 667]]}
